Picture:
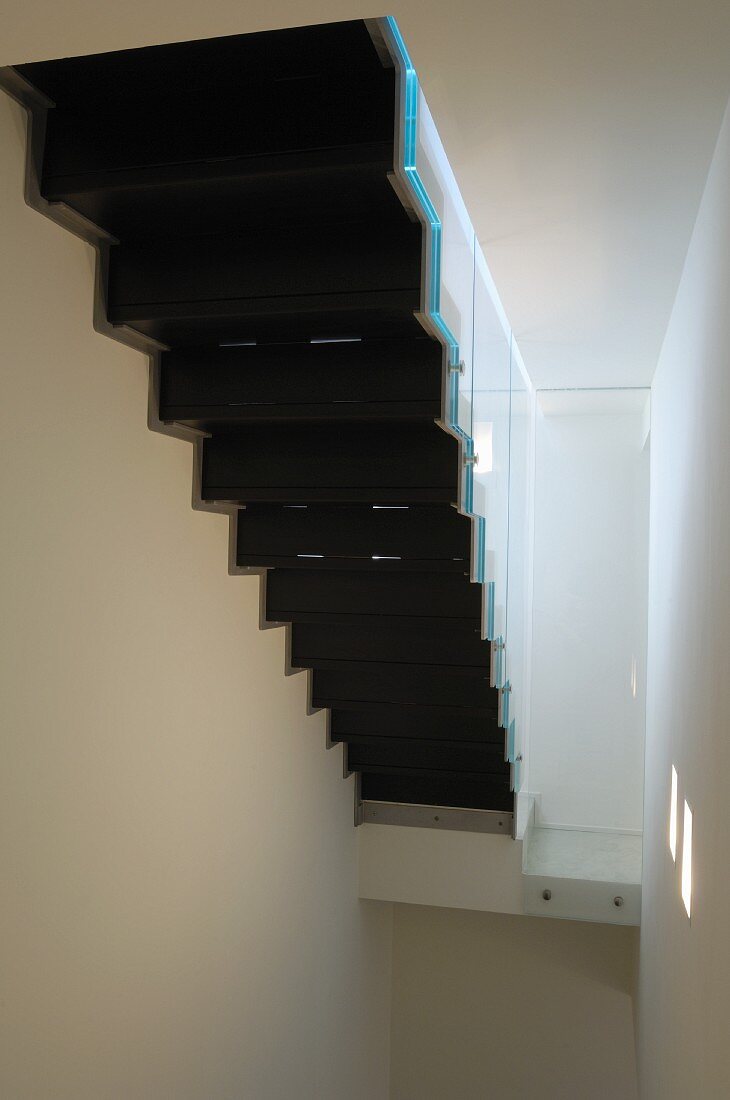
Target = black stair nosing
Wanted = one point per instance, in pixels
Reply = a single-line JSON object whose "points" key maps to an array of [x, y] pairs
{"points": [[367, 154], [374, 564], [393, 318], [243, 494], [446, 711], [246, 309], [393, 769], [280, 615], [458, 671], [482, 716], [494, 745], [208, 417], [418, 350], [324, 699]]}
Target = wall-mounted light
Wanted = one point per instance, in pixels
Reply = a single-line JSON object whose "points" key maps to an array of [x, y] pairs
{"points": [[687, 859], [673, 815]]}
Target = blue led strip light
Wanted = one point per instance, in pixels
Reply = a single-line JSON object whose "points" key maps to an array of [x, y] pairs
{"points": [[433, 289], [432, 296], [410, 139]]}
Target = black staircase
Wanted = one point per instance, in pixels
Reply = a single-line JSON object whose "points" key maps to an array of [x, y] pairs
{"points": [[249, 238]]}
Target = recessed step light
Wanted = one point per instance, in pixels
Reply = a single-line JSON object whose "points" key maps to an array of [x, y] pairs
{"points": [[336, 340]]}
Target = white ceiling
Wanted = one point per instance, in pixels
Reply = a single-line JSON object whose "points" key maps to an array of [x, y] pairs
{"points": [[581, 133]]}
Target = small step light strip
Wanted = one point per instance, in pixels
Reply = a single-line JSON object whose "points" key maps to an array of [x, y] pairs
{"points": [[336, 340]]}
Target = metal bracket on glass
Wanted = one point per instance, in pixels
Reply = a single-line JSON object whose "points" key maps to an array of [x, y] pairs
{"points": [[503, 705], [516, 773], [495, 664], [459, 367], [471, 460]]}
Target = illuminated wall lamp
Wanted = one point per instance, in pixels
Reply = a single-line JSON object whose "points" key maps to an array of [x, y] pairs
{"points": [[687, 859], [673, 816]]}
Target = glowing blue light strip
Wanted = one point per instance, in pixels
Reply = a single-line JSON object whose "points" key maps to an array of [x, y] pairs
{"points": [[433, 289], [432, 296], [410, 145]]}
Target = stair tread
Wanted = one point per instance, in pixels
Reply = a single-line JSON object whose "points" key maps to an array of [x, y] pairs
{"points": [[370, 754], [230, 194], [372, 597], [327, 379], [416, 722], [340, 645], [405, 684], [354, 536], [336, 461]]}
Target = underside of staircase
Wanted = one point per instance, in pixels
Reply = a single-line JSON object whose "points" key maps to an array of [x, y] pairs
{"points": [[241, 196]]}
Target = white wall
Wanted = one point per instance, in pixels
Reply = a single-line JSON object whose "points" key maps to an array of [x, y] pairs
{"points": [[589, 608], [179, 914], [685, 967], [490, 1005], [460, 870]]}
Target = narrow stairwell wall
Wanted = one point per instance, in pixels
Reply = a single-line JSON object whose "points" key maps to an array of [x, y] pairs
{"points": [[684, 991], [179, 876]]}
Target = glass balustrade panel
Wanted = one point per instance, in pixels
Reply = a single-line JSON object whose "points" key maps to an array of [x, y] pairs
{"points": [[491, 435], [516, 624]]}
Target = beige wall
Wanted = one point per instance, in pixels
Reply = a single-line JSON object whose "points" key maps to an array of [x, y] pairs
{"points": [[179, 915], [685, 966], [491, 1005]]}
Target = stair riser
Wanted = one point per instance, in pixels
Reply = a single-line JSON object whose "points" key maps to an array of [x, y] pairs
{"points": [[417, 723], [335, 462], [437, 790], [462, 650], [430, 687], [323, 381], [364, 754], [397, 538], [295, 595]]}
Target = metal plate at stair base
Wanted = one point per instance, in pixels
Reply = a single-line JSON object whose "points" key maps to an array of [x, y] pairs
{"points": [[436, 817]]}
